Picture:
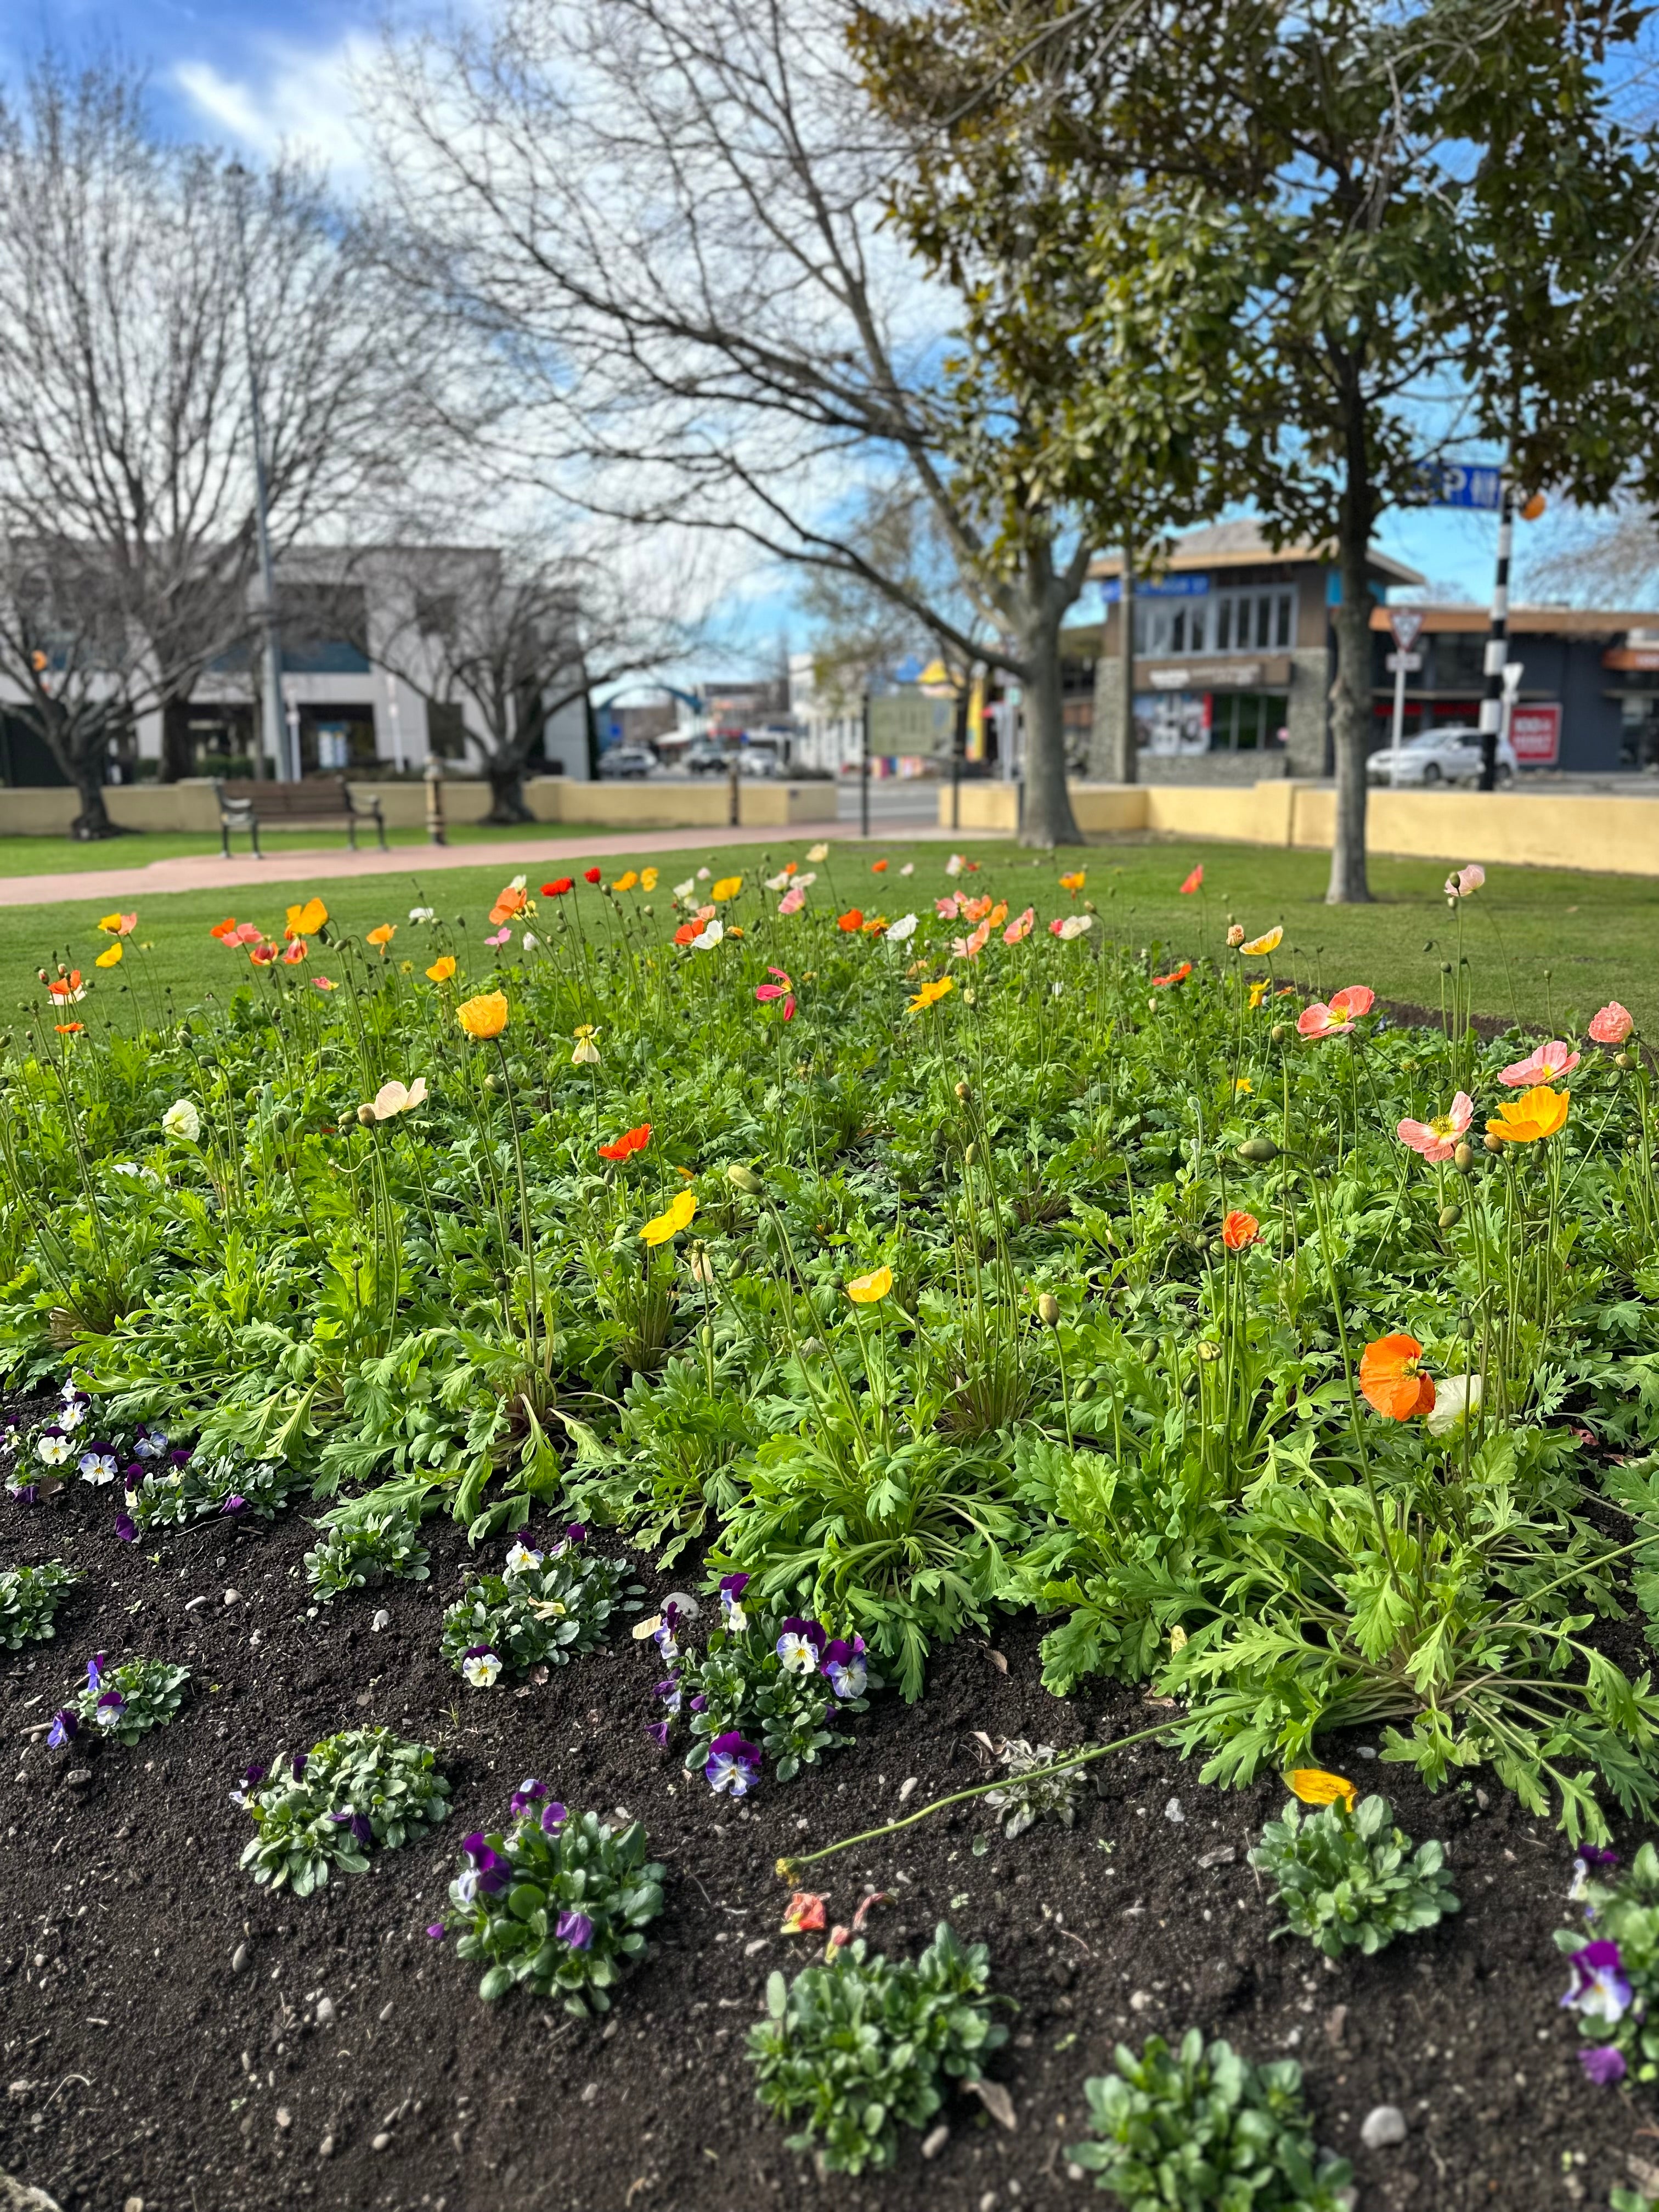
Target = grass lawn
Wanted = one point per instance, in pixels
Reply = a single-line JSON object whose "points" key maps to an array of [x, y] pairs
{"points": [[1573, 941], [42, 856]]}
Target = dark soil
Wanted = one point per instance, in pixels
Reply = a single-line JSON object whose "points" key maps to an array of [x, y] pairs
{"points": [[142, 2062]]}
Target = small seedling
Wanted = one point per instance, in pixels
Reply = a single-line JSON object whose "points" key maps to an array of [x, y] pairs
{"points": [[29, 1597], [1351, 1882], [1027, 1794]]}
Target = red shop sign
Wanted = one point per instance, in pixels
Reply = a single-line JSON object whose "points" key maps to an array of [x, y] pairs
{"points": [[1535, 734]]}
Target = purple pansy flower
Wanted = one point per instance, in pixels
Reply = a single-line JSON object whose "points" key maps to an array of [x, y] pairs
{"points": [[298, 1764], [699, 1704], [1590, 1863], [26, 1494], [800, 1646], [126, 1527], [254, 1773], [574, 1929], [1599, 1989], [844, 1667], [668, 1690], [732, 1589], [109, 1709], [362, 1827], [1604, 2064], [488, 1871], [529, 1794], [554, 1817], [132, 1475], [234, 1503], [180, 1455], [95, 1667], [733, 1763], [663, 1634], [576, 1532], [64, 1725], [436, 1930], [150, 1443], [658, 1732]]}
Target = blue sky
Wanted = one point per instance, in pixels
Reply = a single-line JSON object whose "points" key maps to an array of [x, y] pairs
{"points": [[256, 74]]}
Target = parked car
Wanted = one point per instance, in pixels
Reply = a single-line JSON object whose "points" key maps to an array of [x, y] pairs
{"points": [[627, 761], [1452, 755], [706, 760]]}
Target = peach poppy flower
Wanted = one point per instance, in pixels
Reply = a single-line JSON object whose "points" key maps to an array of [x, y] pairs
{"points": [[1020, 928], [508, 902], [1176, 976], [1240, 1231], [1391, 1377], [1547, 1065], [1346, 1008], [976, 909], [970, 947], [1236, 935], [1465, 881], [1437, 1140], [1612, 1024], [1534, 1114], [383, 936], [1192, 881], [294, 952], [263, 955]]}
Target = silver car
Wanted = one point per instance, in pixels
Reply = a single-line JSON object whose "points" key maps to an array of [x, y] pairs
{"points": [[1452, 755]]}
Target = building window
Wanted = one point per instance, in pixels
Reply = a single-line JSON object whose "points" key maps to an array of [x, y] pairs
{"points": [[1246, 721], [1261, 621]]}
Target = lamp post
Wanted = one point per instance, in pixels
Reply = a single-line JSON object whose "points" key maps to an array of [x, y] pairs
{"points": [[285, 751]]}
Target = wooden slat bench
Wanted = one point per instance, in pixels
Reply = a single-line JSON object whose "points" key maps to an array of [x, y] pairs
{"points": [[245, 805]]}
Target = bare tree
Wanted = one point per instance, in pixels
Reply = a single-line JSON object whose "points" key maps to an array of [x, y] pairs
{"points": [[672, 218], [1610, 559], [74, 662], [518, 633], [136, 277]]}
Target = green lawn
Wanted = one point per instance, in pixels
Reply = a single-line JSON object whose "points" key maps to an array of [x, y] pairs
{"points": [[40, 856], [1573, 941]]}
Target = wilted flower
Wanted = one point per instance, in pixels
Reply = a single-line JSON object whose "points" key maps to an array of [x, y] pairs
{"points": [[733, 1765], [844, 1667], [64, 1725], [1603, 2063], [587, 1053], [1590, 1863], [1314, 1785], [800, 1646], [804, 1916], [1599, 1989], [480, 1666]]}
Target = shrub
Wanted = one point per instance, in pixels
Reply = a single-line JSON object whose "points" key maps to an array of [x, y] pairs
{"points": [[1196, 2128], [124, 1702], [1350, 1881], [29, 1597], [325, 1807], [857, 2044], [545, 1608], [555, 1901], [363, 1553]]}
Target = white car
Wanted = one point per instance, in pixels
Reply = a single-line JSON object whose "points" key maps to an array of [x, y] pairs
{"points": [[1451, 755]]}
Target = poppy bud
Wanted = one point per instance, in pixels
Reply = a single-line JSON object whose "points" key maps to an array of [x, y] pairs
{"points": [[1445, 967], [1466, 1330], [965, 1090], [1208, 1351], [1621, 1060], [1152, 1006], [1631, 1141], [1048, 1310], [1258, 1148], [492, 1081], [1494, 1143], [1452, 903], [969, 1156], [744, 1179], [366, 1116], [1277, 1033], [1449, 1217], [1463, 1157]]}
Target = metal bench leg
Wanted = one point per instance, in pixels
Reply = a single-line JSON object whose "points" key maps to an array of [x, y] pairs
{"points": [[351, 831], [224, 837], [379, 824], [254, 826]]}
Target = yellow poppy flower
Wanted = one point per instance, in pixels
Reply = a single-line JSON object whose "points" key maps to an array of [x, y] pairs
{"points": [[484, 1017], [306, 920], [111, 957], [1314, 1786], [674, 1218], [1269, 942], [1258, 993], [869, 1290], [1243, 1086], [648, 879], [1536, 1113], [625, 883], [383, 936], [931, 994], [726, 888], [118, 924], [1075, 881], [442, 968]]}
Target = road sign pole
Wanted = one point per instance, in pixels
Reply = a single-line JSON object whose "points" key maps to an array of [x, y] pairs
{"points": [[1399, 719], [1497, 643]]}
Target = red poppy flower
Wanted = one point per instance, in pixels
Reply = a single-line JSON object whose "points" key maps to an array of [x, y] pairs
{"points": [[1176, 976], [783, 988], [879, 867], [851, 921], [1391, 1377], [558, 890], [630, 1141], [593, 875], [1192, 881], [685, 933], [263, 955], [1240, 1231]]}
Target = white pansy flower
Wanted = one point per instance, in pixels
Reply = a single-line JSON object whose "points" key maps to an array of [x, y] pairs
{"points": [[482, 1669], [53, 1450]]}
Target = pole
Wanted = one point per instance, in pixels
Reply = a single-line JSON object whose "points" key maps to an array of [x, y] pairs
{"points": [[863, 769], [958, 747], [1128, 765], [1492, 707], [271, 684], [434, 801], [1398, 717]]}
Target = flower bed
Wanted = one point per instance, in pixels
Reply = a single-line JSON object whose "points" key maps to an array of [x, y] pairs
{"points": [[823, 1365]]}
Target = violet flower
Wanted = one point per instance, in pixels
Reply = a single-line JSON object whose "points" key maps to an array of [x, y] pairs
{"points": [[670, 1692], [529, 1794], [663, 1634], [1599, 1989], [150, 1443], [733, 1765], [26, 1494], [844, 1667], [699, 1704], [800, 1646], [126, 1527], [732, 1589], [362, 1827], [1604, 2064], [95, 1667], [574, 1929], [480, 1666], [64, 1725], [97, 1464], [436, 1930], [576, 1532], [1590, 1863], [132, 1475], [488, 1871], [254, 1773], [658, 1732], [180, 1455], [109, 1709], [298, 1764], [554, 1817], [234, 1503]]}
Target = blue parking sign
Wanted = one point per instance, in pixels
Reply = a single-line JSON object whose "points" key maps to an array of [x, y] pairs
{"points": [[1450, 484]]}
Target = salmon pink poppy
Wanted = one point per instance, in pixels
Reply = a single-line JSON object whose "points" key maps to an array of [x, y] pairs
{"points": [[1176, 976], [783, 988], [1391, 1376], [630, 1141], [947, 908], [1192, 881], [1320, 1020], [1612, 1024], [263, 955], [1438, 1138], [1547, 1065], [970, 947], [295, 951], [1240, 1231], [793, 900], [1020, 928]]}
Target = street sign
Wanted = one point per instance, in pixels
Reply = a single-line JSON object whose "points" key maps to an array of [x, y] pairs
{"points": [[1406, 624], [1449, 484], [1535, 734], [1409, 662]]}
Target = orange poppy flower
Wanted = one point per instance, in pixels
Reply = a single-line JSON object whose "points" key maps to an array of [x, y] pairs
{"points": [[442, 968], [1240, 1231], [851, 921], [1535, 1114], [1075, 881], [383, 936], [685, 933], [263, 955], [484, 1017], [222, 929], [631, 1141], [1176, 976], [1391, 1377], [1192, 883], [67, 987], [68, 1029], [508, 902], [879, 867], [294, 952]]}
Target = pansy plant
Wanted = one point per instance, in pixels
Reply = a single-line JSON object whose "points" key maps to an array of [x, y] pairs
{"points": [[362, 1553], [545, 1608], [552, 1900], [763, 1685], [29, 1597], [329, 1807], [1612, 1962], [119, 1702], [187, 1485]]}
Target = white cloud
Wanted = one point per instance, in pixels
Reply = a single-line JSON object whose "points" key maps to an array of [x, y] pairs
{"points": [[305, 100]]}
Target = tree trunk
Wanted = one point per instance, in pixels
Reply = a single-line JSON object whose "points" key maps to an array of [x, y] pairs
{"points": [[178, 753], [507, 801], [1350, 699], [1046, 819], [93, 822]]}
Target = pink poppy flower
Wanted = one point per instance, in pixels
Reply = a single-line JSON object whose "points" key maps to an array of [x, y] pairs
{"points": [[969, 948], [1020, 928], [1438, 1140], [793, 900], [783, 988], [1466, 880], [1336, 1019], [500, 937], [947, 908], [1549, 1063], [1612, 1024]]}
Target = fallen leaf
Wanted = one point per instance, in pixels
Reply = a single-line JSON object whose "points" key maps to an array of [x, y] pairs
{"points": [[996, 2100], [996, 1659]]}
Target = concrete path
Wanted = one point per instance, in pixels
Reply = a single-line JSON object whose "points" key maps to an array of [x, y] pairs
{"points": [[211, 872]]}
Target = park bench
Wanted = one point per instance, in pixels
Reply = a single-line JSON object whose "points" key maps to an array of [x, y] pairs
{"points": [[245, 805]]}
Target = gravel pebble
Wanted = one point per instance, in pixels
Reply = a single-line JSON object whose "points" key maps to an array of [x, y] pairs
{"points": [[324, 2012], [1172, 1811], [1384, 2124], [382, 2141], [382, 1620], [935, 2140]]}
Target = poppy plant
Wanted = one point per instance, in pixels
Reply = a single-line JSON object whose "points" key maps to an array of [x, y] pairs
{"points": [[627, 882], [793, 900], [1548, 1064], [1192, 881], [557, 888], [1392, 1378], [1336, 1019], [118, 925], [1075, 881], [852, 921], [68, 988], [306, 920], [593, 875], [1536, 1113], [869, 1290], [630, 1141], [111, 957], [442, 968], [782, 988], [726, 888], [294, 952], [1612, 1024], [263, 955], [1176, 976], [1020, 928], [484, 1017], [1240, 1231], [970, 947], [1466, 881], [1438, 1139], [931, 994]]}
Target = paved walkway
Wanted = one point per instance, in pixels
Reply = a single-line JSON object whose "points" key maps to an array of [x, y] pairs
{"points": [[212, 871]]}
